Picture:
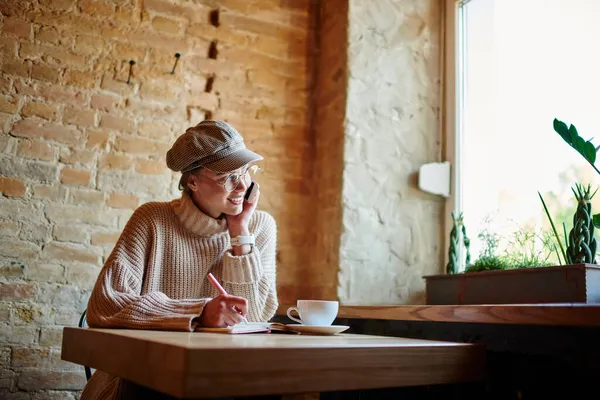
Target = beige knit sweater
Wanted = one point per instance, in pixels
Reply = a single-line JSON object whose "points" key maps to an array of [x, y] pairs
{"points": [[156, 275]]}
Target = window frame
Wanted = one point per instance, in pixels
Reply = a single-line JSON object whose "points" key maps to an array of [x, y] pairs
{"points": [[451, 122]]}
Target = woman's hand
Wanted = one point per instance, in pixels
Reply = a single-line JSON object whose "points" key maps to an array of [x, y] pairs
{"points": [[222, 311], [238, 224]]}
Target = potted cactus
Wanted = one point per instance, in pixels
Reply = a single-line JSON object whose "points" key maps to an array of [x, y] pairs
{"points": [[575, 280]]}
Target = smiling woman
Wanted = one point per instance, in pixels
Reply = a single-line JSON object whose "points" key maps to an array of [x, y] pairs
{"points": [[156, 275]]}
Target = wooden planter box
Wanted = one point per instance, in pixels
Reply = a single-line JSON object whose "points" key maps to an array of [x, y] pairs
{"points": [[575, 283]]}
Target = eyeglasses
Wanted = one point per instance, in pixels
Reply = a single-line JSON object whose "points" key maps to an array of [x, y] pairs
{"points": [[231, 181]]}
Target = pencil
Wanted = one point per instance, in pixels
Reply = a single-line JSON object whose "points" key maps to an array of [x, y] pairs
{"points": [[218, 286]]}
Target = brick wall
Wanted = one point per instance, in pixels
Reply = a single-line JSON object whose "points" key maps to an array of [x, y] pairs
{"points": [[81, 148]]}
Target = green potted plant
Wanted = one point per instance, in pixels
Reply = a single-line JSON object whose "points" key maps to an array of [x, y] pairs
{"points": [[521, 276]]}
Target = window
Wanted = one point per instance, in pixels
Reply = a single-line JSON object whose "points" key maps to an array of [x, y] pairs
{"points": [[518, 65]]}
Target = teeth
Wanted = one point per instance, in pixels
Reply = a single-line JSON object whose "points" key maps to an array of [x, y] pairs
{"points": [[237, 200]]}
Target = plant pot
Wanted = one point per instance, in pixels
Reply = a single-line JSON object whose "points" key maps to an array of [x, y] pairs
{"points": [[573, 283]]}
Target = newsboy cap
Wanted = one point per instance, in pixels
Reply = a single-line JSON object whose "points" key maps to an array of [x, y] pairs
{"points": [[215, 145]]}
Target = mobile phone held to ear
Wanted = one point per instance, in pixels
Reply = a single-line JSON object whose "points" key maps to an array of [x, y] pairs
{"points": [[251, 193]]}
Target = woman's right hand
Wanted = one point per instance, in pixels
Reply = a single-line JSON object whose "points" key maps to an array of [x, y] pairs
{"points": [[224, 310]]}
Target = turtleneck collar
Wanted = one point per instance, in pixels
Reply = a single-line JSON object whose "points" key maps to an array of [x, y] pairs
{"points": [[195, 220]]}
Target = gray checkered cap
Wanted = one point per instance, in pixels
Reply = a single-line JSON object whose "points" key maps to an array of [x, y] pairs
{"points": [[215, 145]]}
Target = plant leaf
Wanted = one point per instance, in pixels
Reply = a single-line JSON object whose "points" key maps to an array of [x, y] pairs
{"points": [[573, 133], [561, 128], [579, 145], [589, 152], [553, 227], [596, 220]]}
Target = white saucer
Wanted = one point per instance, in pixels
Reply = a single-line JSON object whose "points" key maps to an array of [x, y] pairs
{"points": [[318, 329]]}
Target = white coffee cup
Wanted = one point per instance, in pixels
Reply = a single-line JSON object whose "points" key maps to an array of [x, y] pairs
{"points": [[314, 312]]}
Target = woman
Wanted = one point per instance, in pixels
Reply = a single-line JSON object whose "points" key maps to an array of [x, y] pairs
{"points": [[156, 275]]}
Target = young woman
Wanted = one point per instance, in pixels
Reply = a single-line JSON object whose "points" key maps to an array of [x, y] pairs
{"points": [[156, 275]]}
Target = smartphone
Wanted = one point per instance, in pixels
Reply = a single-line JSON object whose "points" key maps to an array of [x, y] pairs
{"points": [[251, 192]]}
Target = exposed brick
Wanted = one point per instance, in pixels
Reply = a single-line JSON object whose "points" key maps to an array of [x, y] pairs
{"points": [[260, 27], [18, 68], [115, 161], [5, 84], [209, 66], [154, 110], [17, 291], [127, 14], [44, 73], [83, 276], [54, 93], [129, 51], [150, 167], [97, 140], [47, 34], [118, 86], [117, 123], [97, 8], [42, 272], [39, 171], [33, 129], [69, 233], [71, 176], [158, 40], [56, 380], [9, 104], [57, 251], [160, 91], [166, 25], [29, 356], [105, 238], [51, 336], [14, 9], [60, 5], [154, 129], [17, 27], [120, 200], [104, 102], [205, 101], [19, 334], [265, 78], [34, 108], [79, 214], [36, 149], [80, 79], [36, 232], [12, 187], [192, 12], [76, 116], [9, 228], [270, 113], [26, 88], [53, 55], [83, 196], [8, 47], [32, 51], [138, 145], [70, 156], [49, 192], [89, 45]]}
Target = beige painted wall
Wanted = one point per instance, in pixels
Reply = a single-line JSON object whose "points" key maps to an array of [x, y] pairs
{"points": [[390, 230]]}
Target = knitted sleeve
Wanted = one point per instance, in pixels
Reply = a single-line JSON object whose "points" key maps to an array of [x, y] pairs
{"points": [[252, 276], [116, 301]]}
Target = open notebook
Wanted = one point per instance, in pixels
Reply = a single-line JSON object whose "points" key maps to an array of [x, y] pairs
{"points": [[251, 327]]}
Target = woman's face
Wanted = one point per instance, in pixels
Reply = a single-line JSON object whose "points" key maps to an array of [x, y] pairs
{"points": [[209, 191]]}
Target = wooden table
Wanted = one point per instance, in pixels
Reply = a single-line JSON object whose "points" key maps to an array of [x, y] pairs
{"points": [[195, 365], [559, 314]]}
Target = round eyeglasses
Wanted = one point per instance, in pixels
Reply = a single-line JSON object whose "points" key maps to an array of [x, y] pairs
{"points": [[231, 181]]}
